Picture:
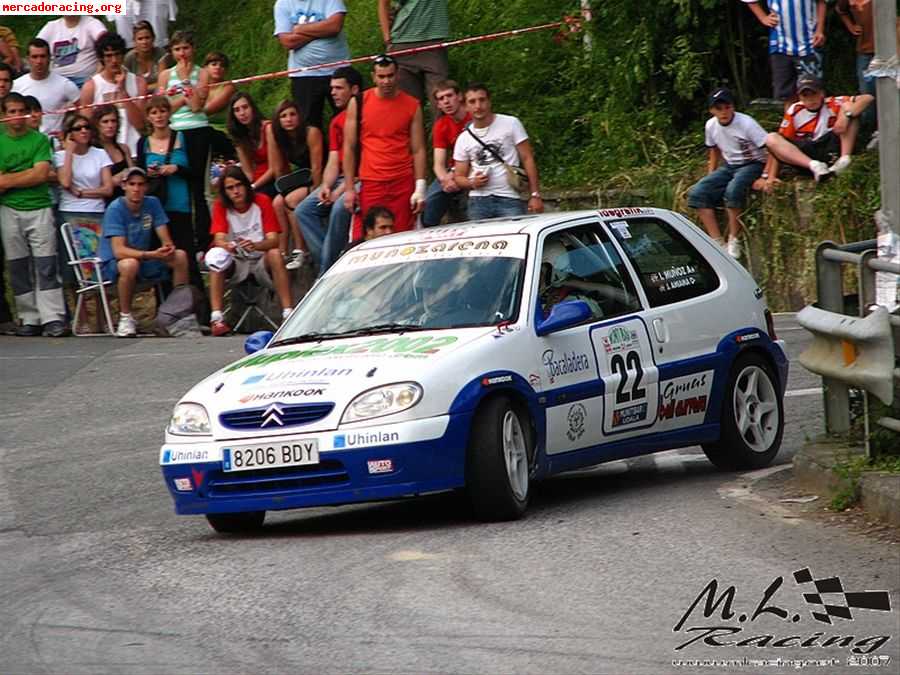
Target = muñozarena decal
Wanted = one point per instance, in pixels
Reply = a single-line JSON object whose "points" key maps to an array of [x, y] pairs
{"points": [[411, 347], [508, 246]]}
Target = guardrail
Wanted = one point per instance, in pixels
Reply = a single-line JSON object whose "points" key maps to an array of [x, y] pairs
{"points": [[868, 344]]}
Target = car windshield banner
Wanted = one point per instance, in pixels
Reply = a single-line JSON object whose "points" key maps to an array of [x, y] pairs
{"points": [[504, 246]]}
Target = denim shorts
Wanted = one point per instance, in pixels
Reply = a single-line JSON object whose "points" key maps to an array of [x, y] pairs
{"points": [[729, 183]]}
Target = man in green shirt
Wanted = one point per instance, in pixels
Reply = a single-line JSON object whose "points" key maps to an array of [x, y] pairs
{"points": [[26, 225], [406, 24]]}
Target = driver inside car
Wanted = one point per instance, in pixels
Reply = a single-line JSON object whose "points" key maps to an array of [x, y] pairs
{"points": [[437, 286], [555, 273]]}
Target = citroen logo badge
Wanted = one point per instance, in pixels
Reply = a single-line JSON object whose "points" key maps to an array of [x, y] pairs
{"points": [[272, 415]]}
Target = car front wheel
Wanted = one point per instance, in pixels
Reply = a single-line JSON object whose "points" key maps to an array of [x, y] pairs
{"points": [[236, 523], [752, 417], [499, 457]]}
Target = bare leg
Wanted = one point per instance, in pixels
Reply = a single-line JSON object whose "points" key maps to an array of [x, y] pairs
{"points": [[216, 290], [708, 218], [281, 217], [848, 138], [179, 265], [786, 151], [734, 223], [128, 270], [275, 264], [299, 241]]}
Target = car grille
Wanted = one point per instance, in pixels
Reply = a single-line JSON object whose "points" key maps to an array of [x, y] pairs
{"points": [[266, 482], [290, 416]]}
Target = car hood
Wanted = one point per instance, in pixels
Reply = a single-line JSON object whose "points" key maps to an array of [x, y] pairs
{"points": [[332, 372]]}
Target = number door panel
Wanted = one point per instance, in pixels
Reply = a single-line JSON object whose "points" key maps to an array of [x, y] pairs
{"points": [[630, 376]]}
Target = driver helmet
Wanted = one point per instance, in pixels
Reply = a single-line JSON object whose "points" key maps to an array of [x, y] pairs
{"points": [[556, 256]]}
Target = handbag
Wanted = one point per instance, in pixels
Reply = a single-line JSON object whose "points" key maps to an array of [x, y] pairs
{"points": [[296, 179], [157, 186], [516, 177]]}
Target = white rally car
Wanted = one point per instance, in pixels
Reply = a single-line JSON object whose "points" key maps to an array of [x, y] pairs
{"points": [[484, 357]]}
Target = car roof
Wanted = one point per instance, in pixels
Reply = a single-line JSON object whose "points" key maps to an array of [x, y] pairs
{"points": [[529, 224]]}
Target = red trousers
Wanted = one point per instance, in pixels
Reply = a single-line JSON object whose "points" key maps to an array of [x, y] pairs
{"points": [[393, 194]]}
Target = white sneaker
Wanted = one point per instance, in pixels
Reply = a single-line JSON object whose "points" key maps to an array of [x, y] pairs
{"points": [[873, 142], [734, 247], [841, 165], [295, 262], [820, 170], [127, 326]]}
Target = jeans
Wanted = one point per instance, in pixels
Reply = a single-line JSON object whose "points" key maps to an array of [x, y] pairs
{"points": [[438, 202], [731, 181], [325, 242], [493, 206], [866, 86]]}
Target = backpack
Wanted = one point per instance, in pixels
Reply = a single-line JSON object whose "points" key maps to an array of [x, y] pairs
{"points": [[177, 315]]}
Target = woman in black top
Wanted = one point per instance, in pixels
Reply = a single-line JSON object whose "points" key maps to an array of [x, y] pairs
{"points": [[106, 122]]}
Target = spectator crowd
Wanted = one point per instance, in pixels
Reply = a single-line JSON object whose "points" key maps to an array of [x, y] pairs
{"points": [[143, 167]]}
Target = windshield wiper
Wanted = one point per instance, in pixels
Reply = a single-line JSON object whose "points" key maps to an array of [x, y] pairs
{"points": [[306, 337]]}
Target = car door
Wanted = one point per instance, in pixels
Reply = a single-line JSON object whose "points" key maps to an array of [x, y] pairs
{"points": [[595, 384], [681, 291]]}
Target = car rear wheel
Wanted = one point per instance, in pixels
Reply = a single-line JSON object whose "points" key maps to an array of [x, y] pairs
{"points": [[236, 523], [499, 459], [752, 417]]}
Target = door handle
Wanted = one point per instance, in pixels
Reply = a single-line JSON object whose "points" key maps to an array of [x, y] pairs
{"points": [[660, 330]]}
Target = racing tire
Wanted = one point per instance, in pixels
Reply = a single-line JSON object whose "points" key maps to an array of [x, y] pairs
{"points": [[498, 461], [236, 523], [752, 417]]}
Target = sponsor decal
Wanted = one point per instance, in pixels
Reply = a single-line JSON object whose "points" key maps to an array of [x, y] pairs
{"points": [[185, 456], [620, 339], [511, 246], [488, 381], [621, 213], [404, 347], [297, 376], [567, 364], [723, 619], [535, 380], [287, 393], [183, 484], [380, 465], [749, 337], [630, 415], [354, 439], [576, 418], [621, 227], [758, 293], [685, 396]]}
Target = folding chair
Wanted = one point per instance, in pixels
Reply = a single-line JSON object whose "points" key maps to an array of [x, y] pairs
{"points": [[247, 293], [81, 246]]}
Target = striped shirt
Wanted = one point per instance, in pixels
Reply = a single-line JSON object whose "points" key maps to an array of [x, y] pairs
{"points": [[793, 35], [420, 21], [802, 124]]}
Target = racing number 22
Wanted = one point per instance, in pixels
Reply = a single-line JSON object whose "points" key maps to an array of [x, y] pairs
{"points": [[624, 367]]}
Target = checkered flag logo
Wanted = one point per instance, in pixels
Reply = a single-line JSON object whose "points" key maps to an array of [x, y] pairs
{"points": [[839, 602]]}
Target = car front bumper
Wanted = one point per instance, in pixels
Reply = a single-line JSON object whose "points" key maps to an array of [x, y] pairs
{"points": [[194, 473]]}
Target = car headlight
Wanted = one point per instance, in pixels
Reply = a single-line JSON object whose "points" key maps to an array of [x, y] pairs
{"points": [[386, 400], [189, 419]]}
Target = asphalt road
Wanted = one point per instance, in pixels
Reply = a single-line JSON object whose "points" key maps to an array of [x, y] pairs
{"points": [[97, 575]]}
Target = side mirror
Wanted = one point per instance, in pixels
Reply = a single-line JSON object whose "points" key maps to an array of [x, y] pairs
{"points": [[258, 340], [564, 315]]}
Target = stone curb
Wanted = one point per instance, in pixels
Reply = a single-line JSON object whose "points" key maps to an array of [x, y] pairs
{"points": [[879, 490]]}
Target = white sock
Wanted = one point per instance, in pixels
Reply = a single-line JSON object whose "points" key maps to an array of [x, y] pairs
{"points": [[126, 314], [216, 315], [286, 312]]}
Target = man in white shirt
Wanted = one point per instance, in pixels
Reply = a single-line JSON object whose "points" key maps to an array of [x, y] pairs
{"points": [[740, 141], [481, 154], [53, 91], [71, 41]]}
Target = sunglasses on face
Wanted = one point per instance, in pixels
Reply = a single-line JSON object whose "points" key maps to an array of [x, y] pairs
{"points": [[80, 127]]}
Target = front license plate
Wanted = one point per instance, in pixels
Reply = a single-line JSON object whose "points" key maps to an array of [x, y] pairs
{"points": [[273, 455]]}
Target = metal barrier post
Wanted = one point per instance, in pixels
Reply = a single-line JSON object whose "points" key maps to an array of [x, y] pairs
{"points": [[830, 291], [866, 281]]}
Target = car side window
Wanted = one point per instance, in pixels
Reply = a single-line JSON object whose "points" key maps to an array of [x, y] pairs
{"points": [[669, 267], [581, 263]]}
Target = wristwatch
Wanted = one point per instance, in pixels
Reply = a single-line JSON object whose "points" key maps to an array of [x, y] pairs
{"points": [[536, 195]]}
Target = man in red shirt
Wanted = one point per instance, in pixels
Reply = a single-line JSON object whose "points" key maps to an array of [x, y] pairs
{"points": [[391, 138], [325, 243], [444, 194], [814, 130], [245, 241]]}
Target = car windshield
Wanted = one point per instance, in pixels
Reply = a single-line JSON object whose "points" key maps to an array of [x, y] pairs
{"points": [[408, 288]]}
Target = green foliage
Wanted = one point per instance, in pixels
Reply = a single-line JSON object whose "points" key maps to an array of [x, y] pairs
{"points": [[849, 471]]}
